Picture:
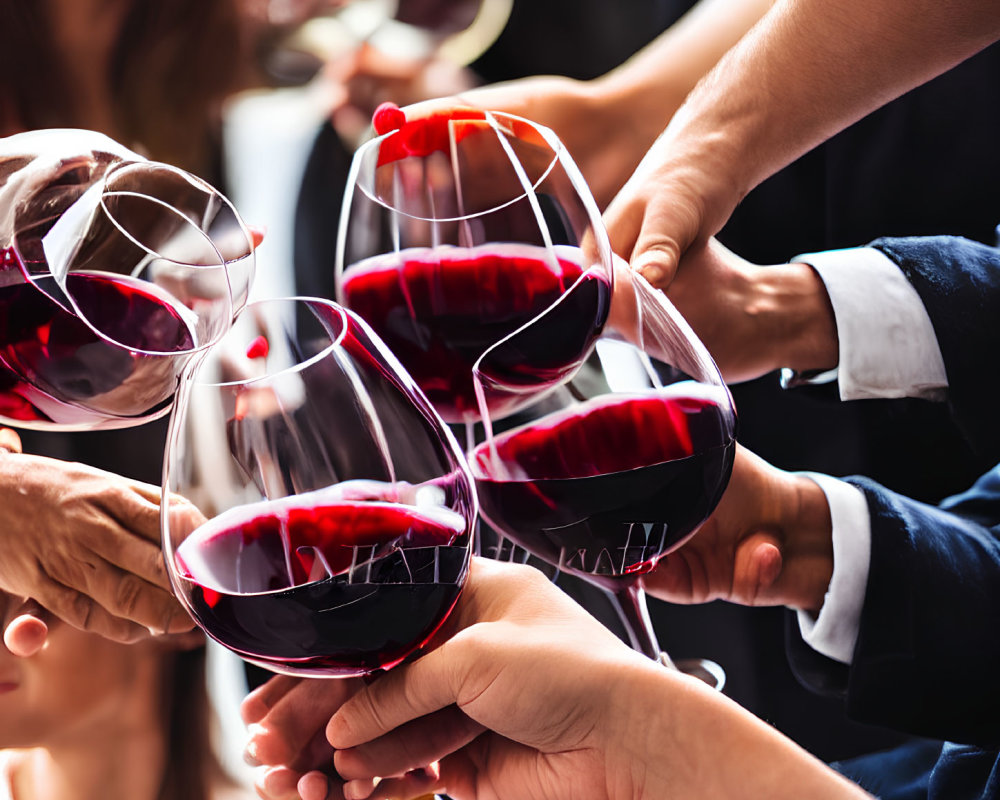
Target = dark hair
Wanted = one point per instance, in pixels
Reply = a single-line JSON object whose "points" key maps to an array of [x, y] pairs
{"points": [[172, 65], [192, 767]]}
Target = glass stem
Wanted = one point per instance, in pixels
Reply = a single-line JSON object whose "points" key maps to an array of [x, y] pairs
{"points": [[632, 607]]}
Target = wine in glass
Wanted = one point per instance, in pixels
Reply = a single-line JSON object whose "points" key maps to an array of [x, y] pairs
{"points": [[329, 533], [461, 227], [627, 470], [109, 285]]}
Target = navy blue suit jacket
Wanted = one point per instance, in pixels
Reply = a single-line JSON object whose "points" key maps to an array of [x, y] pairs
{"points": [[927, 660]]}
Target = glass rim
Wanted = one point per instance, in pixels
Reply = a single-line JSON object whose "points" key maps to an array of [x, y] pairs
{"points": [[298, 366], [188, 177], [559, 155], [74, 308]]}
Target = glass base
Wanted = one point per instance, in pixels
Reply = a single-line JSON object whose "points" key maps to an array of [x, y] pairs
{"points": [[703, 669]]}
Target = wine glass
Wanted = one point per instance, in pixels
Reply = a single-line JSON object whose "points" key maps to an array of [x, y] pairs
{"points": [[460, 228], [470, 241], [627, 469], [329, 533], [109, 285]]}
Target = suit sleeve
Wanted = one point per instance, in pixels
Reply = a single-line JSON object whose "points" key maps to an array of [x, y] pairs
{"points": [[958, 281], [928, 650]]}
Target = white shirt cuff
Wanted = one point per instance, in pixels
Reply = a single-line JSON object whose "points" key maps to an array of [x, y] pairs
{"points": [[835, 631], [887, 343]]}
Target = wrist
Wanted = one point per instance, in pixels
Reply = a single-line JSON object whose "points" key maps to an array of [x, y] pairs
{"points": [[652, 705], [797, 318], [644, 106], [808, 552]]}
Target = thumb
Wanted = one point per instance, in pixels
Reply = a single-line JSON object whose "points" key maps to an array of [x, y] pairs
{"points": [[671, 223], [758, 564], [653, 226], [9, 441], [25, 635], [657, 262]]}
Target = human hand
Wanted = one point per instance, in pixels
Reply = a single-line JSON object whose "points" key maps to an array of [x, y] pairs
{"points": [[526, 696], [286, 720], [768, 542], [84, 544], [25, 634], [755, 319], [682, 193], [468, 707], [583, 114], [513, 618]]}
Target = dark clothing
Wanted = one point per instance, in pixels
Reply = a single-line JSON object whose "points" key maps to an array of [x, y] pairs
{"points": [[925, 164], [928, 646]]}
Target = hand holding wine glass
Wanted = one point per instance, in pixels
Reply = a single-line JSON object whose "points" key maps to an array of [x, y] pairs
{"points": [[526, 695], [530, 625], [754, 319], [470, 240], [84, 543], [768, 543]]}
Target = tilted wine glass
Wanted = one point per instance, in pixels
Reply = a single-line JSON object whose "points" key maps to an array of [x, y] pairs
{"points": [[461, 227], [330, 528], [108, 288], [635, 460]]}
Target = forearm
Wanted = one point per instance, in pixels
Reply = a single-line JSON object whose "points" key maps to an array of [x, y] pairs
{"points": [[650, 86], [811, 68], [698, 743]]}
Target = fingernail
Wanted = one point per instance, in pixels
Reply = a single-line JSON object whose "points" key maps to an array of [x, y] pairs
{"points": [[250, 755], [652, 273], [279, 781], [361, 788]]}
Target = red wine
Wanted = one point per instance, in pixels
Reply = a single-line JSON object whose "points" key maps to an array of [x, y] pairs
{"points": [[434, 133], [439, 309], [604, 489], [55, 368], [325, 586]]}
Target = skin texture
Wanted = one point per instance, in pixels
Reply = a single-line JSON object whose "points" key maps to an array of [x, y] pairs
{"points": [[822, 66], [752, 319], [493, 712], [85, 544], [673, 139]]}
